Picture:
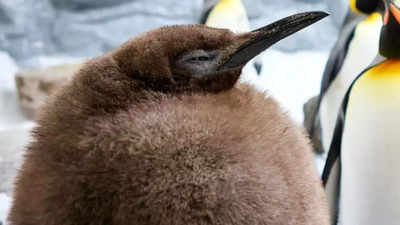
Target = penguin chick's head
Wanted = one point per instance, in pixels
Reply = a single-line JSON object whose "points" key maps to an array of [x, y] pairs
{"points": [[199, 58], [364, 6], [390, 41]]}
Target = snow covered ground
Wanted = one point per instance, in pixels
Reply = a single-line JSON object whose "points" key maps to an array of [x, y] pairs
{"points": [[5, 202], [292, 78]]}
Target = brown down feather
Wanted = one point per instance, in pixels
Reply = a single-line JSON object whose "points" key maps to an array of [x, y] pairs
{"points": [[129, 142]]}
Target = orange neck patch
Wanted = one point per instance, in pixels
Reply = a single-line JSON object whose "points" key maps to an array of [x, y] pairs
{"points": [[390, 67], [396, 12]]}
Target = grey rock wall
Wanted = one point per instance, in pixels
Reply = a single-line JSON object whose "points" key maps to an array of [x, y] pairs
{"points": [[319, 36], [87, 28], [339, 7]]}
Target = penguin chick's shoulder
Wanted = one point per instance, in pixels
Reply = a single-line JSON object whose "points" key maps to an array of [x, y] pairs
{"points": [[143, 135]]}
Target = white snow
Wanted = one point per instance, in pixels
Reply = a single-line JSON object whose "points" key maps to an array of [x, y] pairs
{"points": [[5, 203], [43, 61], [8, 69], [10, 114], [291, 78]]}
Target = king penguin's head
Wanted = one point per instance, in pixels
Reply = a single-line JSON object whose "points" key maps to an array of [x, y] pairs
{"points": [[192, 58], [364, 6], [390, 33]]}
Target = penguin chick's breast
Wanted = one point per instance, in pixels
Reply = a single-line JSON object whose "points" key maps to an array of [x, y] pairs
{"points": [[227, 158]]}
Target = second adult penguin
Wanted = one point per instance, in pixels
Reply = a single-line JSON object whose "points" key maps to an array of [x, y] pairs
{"points": [[362, 175], [355, 50]]}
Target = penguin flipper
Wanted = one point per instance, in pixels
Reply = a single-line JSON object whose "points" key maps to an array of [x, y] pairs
{"points": [[332, 190], [333, 66], [332, 170], [205, 15], [339, 51]]}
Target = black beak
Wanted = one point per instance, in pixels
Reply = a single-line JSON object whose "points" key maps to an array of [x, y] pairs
{"points": [[264, 37]]}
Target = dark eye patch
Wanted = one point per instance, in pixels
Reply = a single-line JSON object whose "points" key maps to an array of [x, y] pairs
{"points": [[197, 62], [203, 58], [199, 56]]}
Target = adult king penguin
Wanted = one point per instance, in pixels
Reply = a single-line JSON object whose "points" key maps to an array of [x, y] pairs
{"points": [[156, 132], [362, 173], [232, 15], [355, 50]]}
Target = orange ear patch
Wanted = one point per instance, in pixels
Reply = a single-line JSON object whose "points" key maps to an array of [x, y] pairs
{"points": [[386, 17], [396, 12]]}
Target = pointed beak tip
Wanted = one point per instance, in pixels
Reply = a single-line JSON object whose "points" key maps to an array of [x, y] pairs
{"points": [[318, 15], [266, 36]]}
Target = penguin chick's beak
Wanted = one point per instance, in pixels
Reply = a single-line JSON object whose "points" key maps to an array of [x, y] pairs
{"points": [[258, 40]]}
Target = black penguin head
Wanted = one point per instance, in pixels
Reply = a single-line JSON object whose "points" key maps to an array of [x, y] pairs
{"points": [[390, 33], [198, 58], [364, 6]]}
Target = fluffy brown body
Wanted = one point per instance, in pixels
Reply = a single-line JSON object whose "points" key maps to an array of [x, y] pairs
{"points": [[110, 150]]}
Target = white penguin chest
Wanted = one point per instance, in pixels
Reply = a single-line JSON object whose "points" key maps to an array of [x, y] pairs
{"points": [[362, 51], [370, 153]]}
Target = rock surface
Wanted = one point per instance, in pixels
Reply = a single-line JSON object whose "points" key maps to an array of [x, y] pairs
{"points": [[35, 85], [87, 28], [320, 36], [339, 9]]}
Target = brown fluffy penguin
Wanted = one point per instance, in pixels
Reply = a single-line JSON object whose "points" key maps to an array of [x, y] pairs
{"points": [[155, 132]]}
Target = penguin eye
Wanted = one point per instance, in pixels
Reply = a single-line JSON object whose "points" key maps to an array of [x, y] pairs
{"points": [[199, 56], [197, 62]]}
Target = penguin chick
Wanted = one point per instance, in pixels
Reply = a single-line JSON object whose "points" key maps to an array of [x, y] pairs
{"points": [[155, 132]]}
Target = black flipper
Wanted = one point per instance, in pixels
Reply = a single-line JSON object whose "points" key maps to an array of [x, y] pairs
{"points": [[333, 167], [205, 15], [330, 177], [208, 6], [334, 64]]}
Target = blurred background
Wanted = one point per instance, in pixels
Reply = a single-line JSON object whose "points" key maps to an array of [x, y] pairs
{"points": [[42, 42]]}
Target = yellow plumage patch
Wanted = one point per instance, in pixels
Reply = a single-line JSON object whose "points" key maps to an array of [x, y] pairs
{"points": [[226, 5], [223, 8], [373, 18], [370, 25], [380, 84], [229, 14], [354, 7]]}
